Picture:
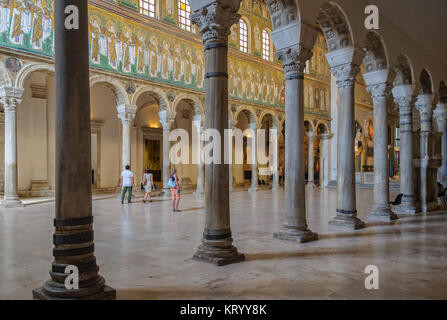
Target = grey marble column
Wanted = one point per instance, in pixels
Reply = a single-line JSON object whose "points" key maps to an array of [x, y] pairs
{"points": [[403, 97], [345, 74], [380, 91], [126, 114], [10, 97], [166, 120], [254, 153], [325, 138], [197, 123], [73, 237], [440, 115], [295, 228], [275, 182], [310, 159], [424, 105], [215, 20], [231, 125]]}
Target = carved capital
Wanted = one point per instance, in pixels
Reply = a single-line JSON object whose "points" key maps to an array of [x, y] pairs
{"points": [[166, 119], [126, 113], [424, 104], [345, 74], [380, 91], [294, 60], [215, 21], [10, 97]]}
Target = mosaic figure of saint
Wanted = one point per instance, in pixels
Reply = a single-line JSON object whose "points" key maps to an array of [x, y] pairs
{"points": [[165, 61], [114, 46], [178, 63], [154, 58], [37, 26], [141, 54], [188, 67], [128, 52], [5, 14], [20, 23], [47, 28], [94, 37]]}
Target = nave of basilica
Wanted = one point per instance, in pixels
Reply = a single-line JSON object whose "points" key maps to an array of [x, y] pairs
{"points": [[360, 116]]}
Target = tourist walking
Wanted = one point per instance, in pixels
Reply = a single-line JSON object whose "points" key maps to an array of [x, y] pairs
{"points": [[126, 183], [174, 186], [148, 183]]}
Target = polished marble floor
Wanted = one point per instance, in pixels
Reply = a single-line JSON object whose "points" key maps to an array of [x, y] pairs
{"points": [[144, 251]]}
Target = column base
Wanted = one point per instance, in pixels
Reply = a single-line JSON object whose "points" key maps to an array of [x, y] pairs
{"points": [[275, 187], [310, 185], [382, 214], [219, 252], [253, 189], [107, 293], [12, 203], [199, 192], [301, 236], [404, 208], [350, 222]]}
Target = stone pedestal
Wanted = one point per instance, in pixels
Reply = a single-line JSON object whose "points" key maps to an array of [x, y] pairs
{"points": [[379, 87], [215, 20], [10, 97], [295, 227], [345, 67], [73, 237]]}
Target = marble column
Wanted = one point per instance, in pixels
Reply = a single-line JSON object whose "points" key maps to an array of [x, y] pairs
{"points": [[380, 88], [310, 159], [231, 125], [345, 67], [166, 119], [424, 105], [215, 19], [334, 130], [126, 114], [10, 97], [295, 228], [73, 237], [440, 115], [254, 157], [403, 97], [275, 182], [325, 138], [197, 123]]}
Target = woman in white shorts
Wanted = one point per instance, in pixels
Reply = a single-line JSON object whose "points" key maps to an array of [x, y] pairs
{"points": [[148, 182]]}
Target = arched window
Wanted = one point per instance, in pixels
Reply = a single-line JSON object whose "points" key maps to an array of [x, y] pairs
{"points": [[265, 45], [184, 10], [147, 7], [243, 36]]}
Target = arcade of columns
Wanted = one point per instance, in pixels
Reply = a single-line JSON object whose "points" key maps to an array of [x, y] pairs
{"points": [[73, 237]]}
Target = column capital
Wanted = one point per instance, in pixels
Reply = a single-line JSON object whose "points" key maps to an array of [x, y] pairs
{"points": [[424, 104], [126, 113], [215, 20], [310, 135], [294, 60], [326, 136], [232, 123], [404, 97], [253, 126], [167, 117], [10, 96], [345, 65], [379, 91]]}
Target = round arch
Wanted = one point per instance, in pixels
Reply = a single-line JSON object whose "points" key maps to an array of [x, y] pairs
{"points": [[376, 57], [115, 85], [404, 71], [272, 114], [158, 94], [247, 109], [198, 105], [28, 70], [425, 82]]}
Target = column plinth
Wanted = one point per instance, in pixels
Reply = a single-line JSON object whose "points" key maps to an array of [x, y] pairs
{"points": [[295, 227], [345, 73], [215, 21], [73, 236]]}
